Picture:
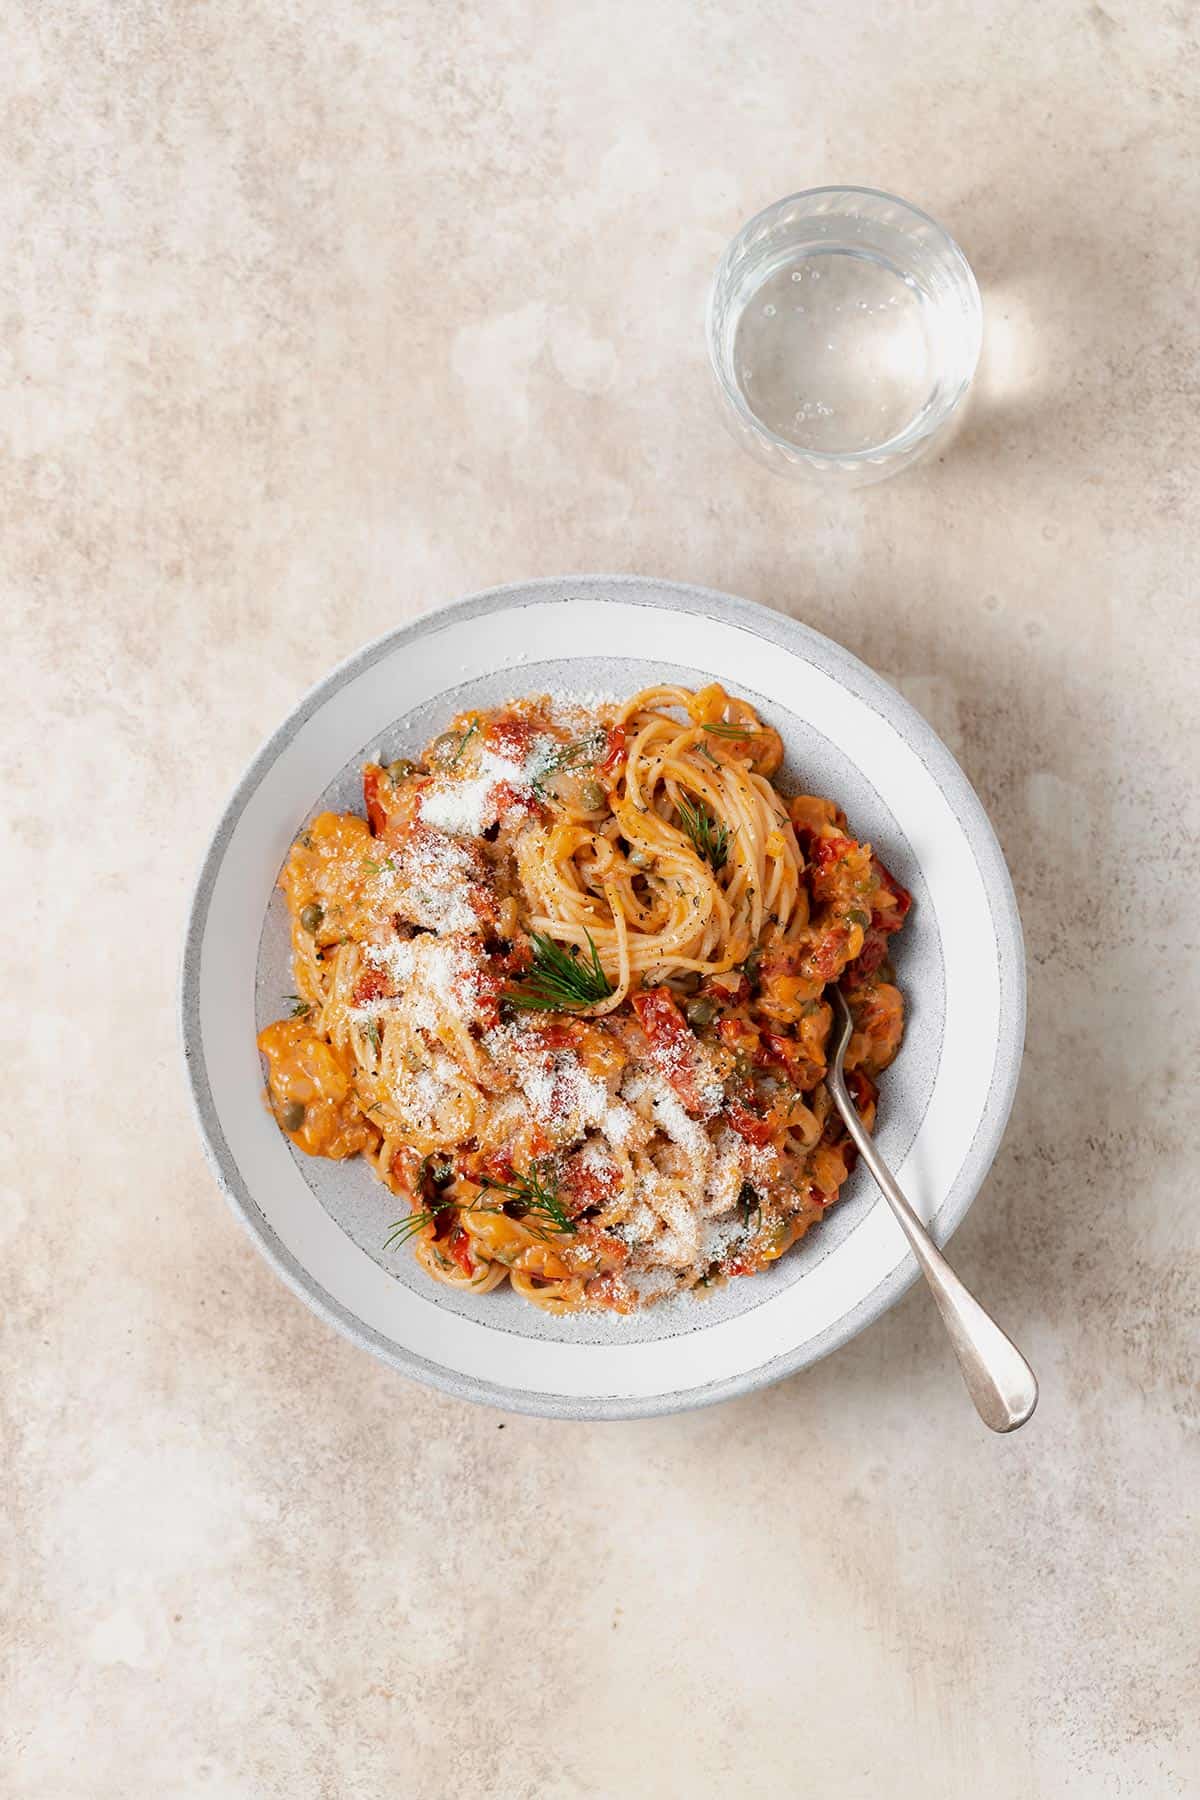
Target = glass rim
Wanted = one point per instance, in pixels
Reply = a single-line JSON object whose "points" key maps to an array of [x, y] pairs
{"points": [[912, 432]]}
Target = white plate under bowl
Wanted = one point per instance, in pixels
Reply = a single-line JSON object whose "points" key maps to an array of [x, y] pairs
{"points": [[943, 1104]]}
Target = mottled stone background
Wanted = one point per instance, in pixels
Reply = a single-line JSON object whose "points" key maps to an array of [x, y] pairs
{"points": [[313, 316]]}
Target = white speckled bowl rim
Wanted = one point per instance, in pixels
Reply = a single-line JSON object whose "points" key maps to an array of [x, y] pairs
{"points": [[857, 679]]}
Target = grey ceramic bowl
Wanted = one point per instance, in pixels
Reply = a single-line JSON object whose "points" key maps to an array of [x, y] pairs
{"points": [[944, 1103]]}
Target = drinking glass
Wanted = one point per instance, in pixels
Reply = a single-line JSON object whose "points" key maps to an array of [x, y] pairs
{"points": [[844, 326]]}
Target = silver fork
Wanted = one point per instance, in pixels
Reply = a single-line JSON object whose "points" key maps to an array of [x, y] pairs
{"points": [[999, 1380]]}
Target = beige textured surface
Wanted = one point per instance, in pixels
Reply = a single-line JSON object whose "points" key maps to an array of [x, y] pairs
{"points": [[315, 315]]}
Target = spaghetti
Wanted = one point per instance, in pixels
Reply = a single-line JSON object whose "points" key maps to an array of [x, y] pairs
{"points": [[563, 988]]}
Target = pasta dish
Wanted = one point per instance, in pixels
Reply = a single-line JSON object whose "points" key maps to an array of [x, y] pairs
{"points": [[562, 987]]}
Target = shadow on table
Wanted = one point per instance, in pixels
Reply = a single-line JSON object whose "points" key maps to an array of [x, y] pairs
{"points": [[1044, 1247]]}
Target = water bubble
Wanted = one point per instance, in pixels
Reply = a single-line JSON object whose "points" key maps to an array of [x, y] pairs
{"points": [[797, 275], [768, 312]]}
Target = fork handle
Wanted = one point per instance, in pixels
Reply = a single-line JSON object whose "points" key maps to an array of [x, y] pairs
{"points": [[999, 1380]]}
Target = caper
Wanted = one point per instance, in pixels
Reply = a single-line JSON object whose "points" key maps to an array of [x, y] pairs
{"points": [[857, 916], [292, 1116], [311, 916], [591, 796], [400, 770], [701, 1012], [444, 749]]}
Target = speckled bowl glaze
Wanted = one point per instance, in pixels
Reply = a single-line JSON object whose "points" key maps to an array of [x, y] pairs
{"points": [[943, 1105]]}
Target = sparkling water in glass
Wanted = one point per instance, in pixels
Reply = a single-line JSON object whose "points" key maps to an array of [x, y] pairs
{"points": [[844, 328]]}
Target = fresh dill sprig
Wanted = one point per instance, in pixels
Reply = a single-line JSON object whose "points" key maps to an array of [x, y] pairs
{"points": [[710, 837], [435, 1172], [533, 1198], [464, 740], [534, 1195], [581, 753], [731, 731], [300, 1008], [560, 980], [403, 1229], [750, 1206], [373, 1037]]}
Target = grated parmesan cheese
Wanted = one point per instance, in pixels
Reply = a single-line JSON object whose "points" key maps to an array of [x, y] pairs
{"points": [[437, 977], [561, 1095], [719, 1236], [468, 805], [595, 1159], [647, 1088], [733, 1162], [433, 884], [639, 1223], [650, 1284], [618, 1123], [397, 959], [681, 1130]]}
